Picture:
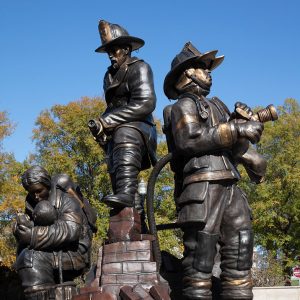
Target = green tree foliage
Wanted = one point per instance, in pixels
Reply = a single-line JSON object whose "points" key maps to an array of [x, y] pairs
{"points": [[64, 144], [11, 194], [276, 202]]}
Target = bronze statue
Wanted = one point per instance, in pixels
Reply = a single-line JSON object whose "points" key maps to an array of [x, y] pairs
{"points": [[126, 129], [55, 233], [204, 137]]}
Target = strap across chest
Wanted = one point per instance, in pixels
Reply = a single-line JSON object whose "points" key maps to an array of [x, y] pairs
{"points": [[212, 111]]}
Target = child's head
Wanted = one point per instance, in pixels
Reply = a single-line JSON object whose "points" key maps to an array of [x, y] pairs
{"points": [[44, 213]]}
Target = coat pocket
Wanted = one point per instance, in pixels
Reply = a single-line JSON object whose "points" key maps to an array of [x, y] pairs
{"points": [[194, 192], [192, 203], [24, 259], [245, 250]]}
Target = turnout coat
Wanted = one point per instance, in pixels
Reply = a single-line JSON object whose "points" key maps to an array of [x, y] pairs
{"points": [[130, 98]]}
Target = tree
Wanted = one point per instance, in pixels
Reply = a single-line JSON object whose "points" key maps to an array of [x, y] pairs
{"points": [[11, 194], [64, 144], [6, 127], [276, 202]]}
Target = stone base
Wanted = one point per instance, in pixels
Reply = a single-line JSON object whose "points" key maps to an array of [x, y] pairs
{"points": [[125, 268]]}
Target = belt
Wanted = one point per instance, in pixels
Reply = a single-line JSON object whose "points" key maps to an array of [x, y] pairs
{"points": [[210, 176]]}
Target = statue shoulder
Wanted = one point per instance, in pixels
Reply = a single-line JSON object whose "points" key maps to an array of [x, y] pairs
{"points": [[134, 60], [70, 205], [184, 106], [185, 101], [136, 63], [63, 182], [140, 72], [220, 104]]}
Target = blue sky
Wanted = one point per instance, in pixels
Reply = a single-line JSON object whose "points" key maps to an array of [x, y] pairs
{"points": [[47, 51]]}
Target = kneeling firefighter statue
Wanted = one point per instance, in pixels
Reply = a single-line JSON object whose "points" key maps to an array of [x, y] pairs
{"points": [[54, 235], [206, 143]]}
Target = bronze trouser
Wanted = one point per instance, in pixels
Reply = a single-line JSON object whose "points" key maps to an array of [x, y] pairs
{"points": [[127, 164], [229, 223], [124, 137], [39, 268], [125, 159], [64, 291], [40, 292]]}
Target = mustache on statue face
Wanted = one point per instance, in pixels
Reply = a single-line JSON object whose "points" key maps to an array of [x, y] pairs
{"points": [[199, 82], [114, 64]]}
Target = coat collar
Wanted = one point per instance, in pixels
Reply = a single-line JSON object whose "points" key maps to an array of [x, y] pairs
{"points": [[112, 81]]}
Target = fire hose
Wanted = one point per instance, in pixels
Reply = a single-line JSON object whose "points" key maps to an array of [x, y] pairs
{"points": [[153, 228]]}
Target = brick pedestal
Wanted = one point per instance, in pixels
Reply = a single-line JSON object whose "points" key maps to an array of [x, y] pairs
{"points": [[124, 225], [125, 267]]}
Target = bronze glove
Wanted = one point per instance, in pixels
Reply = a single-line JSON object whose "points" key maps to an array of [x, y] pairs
{"points": [[251, 130]]}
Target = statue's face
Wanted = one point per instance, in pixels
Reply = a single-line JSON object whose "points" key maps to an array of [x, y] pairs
{"points": [[117, 55], [201, 75], [194, 80], [38, 192]]}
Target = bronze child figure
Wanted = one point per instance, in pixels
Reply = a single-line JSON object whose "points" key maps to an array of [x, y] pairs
{"points": [[126, 128], [211, 207]]}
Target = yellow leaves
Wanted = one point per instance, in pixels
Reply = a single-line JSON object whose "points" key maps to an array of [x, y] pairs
{"points": [[6, 126], [11, 195], [46, 124], [7, 253], [8, 246], [11, 201]]}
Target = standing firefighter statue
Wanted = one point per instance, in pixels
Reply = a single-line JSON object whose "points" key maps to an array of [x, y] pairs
{"points": [[207, 142], [126, 129]]}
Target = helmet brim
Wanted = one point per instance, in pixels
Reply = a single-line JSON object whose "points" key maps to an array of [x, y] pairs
{"points": [[134, 42]]}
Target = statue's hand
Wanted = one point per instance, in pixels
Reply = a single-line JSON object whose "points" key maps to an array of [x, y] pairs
{"points": [[251, 130], [97, 129], [23, 219], [23, 234], [243, 110]]}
